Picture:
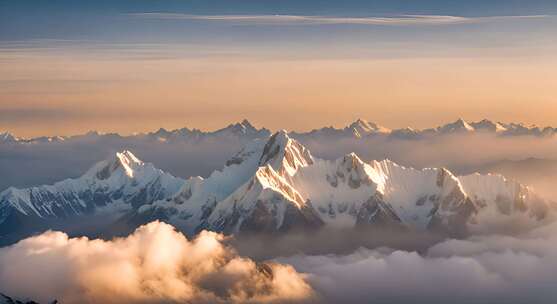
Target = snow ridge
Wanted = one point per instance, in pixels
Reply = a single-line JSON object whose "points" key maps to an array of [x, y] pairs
{"points": [[281, 173], [119, 182], [275, 184]]}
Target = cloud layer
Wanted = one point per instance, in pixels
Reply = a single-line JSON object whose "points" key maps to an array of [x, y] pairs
{"points": [[490, 269], [302, 19], [155, 264]]}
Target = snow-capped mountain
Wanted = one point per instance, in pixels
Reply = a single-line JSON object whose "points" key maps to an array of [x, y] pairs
{"points": [[278, 180], [256, 175], [113, 186], [363, 128], [456, 127], [358, 129], [488, 126], [245, 131], [484, 126], [276, 185], [7, 137], [501, 199]]}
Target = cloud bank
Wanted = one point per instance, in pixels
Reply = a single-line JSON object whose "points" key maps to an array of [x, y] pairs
{"points": [[155, 264], [487, 269]]}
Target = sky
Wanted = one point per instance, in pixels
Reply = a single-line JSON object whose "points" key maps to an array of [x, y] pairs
{"points": [[130, 66]]}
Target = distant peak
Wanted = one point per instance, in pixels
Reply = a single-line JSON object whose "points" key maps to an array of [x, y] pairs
{"points": [[460, 125], [488, 125], [461, 122], [282, 133], [93, 133], [246, 123], [7, 136], [360, 122], [124, 160], [161, 132], [243, 127], [362, 127]]}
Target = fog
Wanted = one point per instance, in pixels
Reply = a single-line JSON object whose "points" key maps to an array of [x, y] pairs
{"points": [[458, 152], [155, 264]]}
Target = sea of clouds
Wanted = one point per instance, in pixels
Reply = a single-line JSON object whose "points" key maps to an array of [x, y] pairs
{"points": [[482, 269], [157, 264]]}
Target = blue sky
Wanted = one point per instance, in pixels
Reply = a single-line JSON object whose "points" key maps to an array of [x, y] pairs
{"points": [[65, 19], [117, 21]]}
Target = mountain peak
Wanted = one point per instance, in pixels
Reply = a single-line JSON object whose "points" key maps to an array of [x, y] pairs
{"points": [[458, 126], [124, 160], [360, 122], [243, 127], [246, 123], [128, 158], [7, 137], [351, 161], [285, 154], [351, 157], [362, 127], [276, 144], [488, 125], [162, 132]]}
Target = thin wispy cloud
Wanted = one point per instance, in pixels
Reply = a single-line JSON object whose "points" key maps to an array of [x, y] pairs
{"points": [[301, 19]]}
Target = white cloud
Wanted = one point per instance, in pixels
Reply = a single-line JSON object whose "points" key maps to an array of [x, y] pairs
{"points": [[489, 269], [155, 264], [301, 19]]}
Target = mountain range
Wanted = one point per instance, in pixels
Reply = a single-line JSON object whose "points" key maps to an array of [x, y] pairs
{"points": [[358, 129], [273, 185]]}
